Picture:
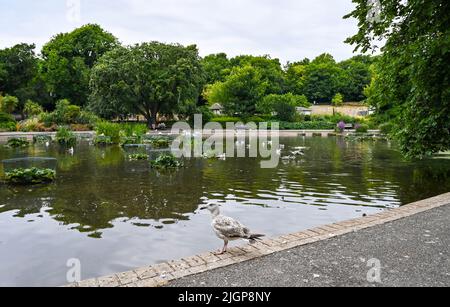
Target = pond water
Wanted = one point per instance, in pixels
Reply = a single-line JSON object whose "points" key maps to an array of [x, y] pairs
{"points": [[115, 215]]}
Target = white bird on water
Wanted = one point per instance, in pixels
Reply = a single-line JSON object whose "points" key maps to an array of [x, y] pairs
{"points": [[71, 151], [229, 229]]}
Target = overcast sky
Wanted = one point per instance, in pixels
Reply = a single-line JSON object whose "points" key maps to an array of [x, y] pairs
{"points": [[286, 29]]}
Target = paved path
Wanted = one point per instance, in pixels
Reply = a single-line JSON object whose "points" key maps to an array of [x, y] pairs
{"points": [[414, 251]]}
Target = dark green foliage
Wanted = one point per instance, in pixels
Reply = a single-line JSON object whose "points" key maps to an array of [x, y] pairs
{"points": [[17, 142], [362, 128], [7, 122], [166, 161], [158, 142], [30, 176], [42, 139], [103, 140], [18, 70], [412, 81], [65, 137], [146, 79], [69, 58], [386, 128]]}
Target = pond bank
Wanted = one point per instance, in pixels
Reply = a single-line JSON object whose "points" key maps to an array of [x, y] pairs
{"points": [[4, 136], [411, 242]]}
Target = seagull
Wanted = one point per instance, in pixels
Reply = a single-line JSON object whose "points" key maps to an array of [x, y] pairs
{"points": [[47, 144], [71, 151], [228, 229]]}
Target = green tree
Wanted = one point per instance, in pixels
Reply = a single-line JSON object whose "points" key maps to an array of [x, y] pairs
{"points": [[295, 77], [357, 76], [323, 79], [216, 66], [18, 69], [241, 91], [146, 79], [338, 100], [283, 105], [413, 75], [270, 69], [9, 104], [68, 59]]}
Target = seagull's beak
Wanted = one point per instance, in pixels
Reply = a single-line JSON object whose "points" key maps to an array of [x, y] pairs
{"points": [[203, 208]]}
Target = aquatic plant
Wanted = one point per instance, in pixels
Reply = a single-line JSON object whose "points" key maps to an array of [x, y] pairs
{"points": [[111, 130], [65, 137], [17, 142], [42, 139], [138, 157], [103, 140], [158, 142], [166, 161], [28, 176]]}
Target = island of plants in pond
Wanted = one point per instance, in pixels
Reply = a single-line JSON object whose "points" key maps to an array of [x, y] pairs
{"points": [[138, 157], [29, 176], [17, 143], [166, 161]]}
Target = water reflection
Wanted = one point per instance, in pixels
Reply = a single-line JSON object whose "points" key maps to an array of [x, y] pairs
{"points": [[151, 216]]}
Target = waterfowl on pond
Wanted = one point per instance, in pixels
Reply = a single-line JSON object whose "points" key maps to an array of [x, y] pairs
{"points": [[229, 229]]}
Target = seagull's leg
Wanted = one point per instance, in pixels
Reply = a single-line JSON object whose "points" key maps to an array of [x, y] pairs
{"points": [[224, 249]]}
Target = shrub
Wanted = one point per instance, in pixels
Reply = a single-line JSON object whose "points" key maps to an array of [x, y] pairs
{"points": [[165, 162], [17, 142], [341, 126], [224, 120], [32, 108], [255, 119], [32, 175], [307, 125], [111, 130], [7, 122], [9, 104], [6, 118], [386, 128], [80, 127], [31, 124], [8, 127], [362, 128], [65, 137]]}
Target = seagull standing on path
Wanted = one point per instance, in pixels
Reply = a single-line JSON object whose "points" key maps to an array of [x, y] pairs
{"points": [[228, 229]]}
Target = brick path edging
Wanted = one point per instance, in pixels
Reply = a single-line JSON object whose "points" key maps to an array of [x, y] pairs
{"points": [[161, 274]]}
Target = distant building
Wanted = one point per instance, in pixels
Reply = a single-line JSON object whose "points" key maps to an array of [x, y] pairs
{"points": [[217, 109], [304, 111]]}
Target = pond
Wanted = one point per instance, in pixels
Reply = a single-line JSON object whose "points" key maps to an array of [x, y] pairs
{"points": [[115, 215]]}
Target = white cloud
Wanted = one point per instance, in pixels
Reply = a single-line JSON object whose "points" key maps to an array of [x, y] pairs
{"points": [[287, 29]]}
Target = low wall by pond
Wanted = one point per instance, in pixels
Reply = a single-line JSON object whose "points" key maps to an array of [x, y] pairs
{"points": [[163, 273]]}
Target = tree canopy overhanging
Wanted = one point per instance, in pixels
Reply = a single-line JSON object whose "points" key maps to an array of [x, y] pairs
{"points": [[412, 84]]}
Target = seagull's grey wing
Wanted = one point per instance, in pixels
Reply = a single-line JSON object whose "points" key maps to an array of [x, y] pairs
{"points": [[230, 228]]}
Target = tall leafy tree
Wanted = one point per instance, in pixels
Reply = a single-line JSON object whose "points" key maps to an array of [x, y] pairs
{"points": [[413, 74], [146, 79], [18, 69], [240, 92], [217, 67], [357, 76], [270, 69], [323, 79], [69, 58]]}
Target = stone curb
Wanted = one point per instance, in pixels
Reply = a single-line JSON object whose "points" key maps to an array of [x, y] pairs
{"points": [[161, 274]]}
